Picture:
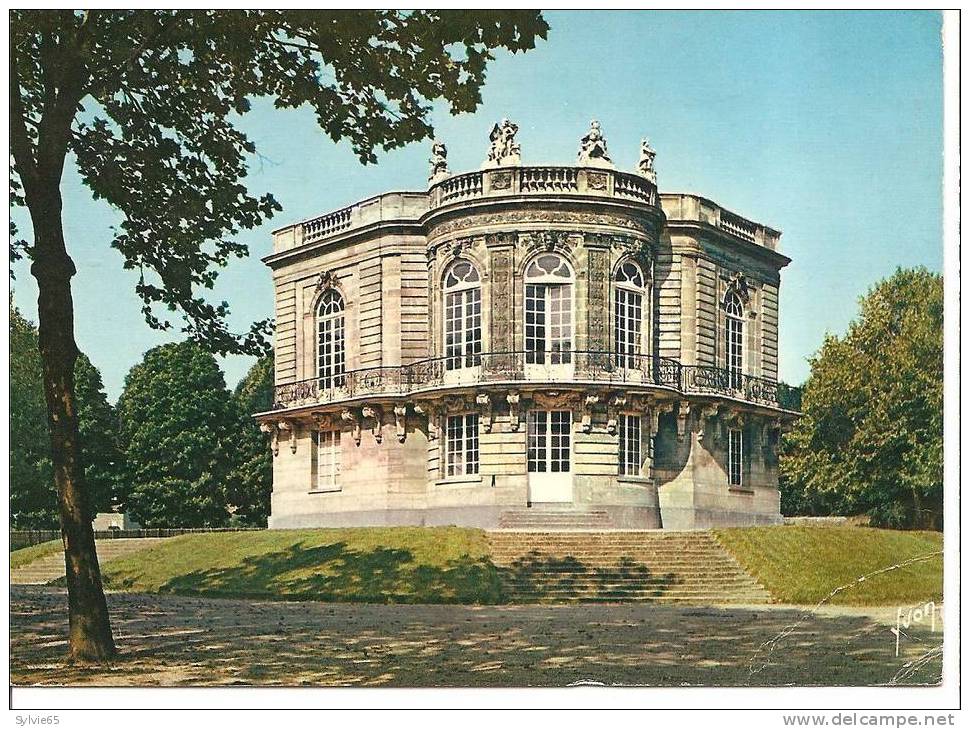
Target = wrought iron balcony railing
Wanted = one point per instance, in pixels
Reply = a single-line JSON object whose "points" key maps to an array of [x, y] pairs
{"points": [[569, 366]]}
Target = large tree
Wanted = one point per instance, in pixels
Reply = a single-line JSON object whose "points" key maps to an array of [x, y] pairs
{"points": [[177, 428], [33, 498], [147, 102], [250, 481], [871, 439]]}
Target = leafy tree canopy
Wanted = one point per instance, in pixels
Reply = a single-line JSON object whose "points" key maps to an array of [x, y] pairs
{"points": [[871, 439], [177, 429], [148, 100]]}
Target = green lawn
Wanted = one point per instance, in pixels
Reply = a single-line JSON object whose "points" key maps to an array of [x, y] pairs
{"points": [[797, 565], [22, 557], [399, 565], [803, 565]]}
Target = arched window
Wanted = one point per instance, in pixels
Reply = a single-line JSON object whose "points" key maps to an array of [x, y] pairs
{"points": [[734, 338], [330, 340], [548, 310], [628, 290], [463, 316]]}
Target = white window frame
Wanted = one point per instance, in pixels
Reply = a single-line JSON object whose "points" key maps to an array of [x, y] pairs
{"points": [[734, 339], [327, 461], [735, 457], [630, 452], [462, 457], [548, 318], [549, 441], [331, 342], [629, 291], [462, 315]]}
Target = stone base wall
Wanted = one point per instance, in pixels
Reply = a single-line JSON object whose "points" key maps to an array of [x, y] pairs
{"points": [[396, 477]]}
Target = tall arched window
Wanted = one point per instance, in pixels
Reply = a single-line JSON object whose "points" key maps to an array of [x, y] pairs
{"points": [[548, 310], [734, 338], [330, 340], [463, 316], [628, 290]]}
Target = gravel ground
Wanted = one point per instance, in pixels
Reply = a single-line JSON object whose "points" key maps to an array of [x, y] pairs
{"points": [[168, 640]]}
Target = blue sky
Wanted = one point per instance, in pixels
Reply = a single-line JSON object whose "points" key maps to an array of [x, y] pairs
{"points": [[825, 125]]}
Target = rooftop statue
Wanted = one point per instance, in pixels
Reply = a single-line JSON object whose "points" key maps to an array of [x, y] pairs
{"points": [[439, 162], [645, 165], [504, 150], [592, 148]]}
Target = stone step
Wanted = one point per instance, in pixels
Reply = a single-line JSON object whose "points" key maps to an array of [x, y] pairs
{"points": [[555, 519], [51, 567], [630, 566], [660, 599]]}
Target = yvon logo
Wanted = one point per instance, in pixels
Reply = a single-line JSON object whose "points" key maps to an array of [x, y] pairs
{"points": [[913, 616]]}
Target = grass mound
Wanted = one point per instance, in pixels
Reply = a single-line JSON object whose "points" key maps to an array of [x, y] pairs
{"points": [[26, 555], [803, 565], [383, 565]]}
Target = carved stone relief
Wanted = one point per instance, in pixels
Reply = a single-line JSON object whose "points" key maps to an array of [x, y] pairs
{"points": [[484, 403], [589, 402], [376, 414], [351, 417], [274, 439], [400, 421], [514, 217], [513, 400], [501, 309], [683, 412], [597, 314]]}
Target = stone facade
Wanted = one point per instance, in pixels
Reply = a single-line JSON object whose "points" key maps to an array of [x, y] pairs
{"points": [[553, 338]]}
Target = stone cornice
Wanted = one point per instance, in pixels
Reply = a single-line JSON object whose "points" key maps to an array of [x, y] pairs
{"points": [[309, 250], [699, 230]]}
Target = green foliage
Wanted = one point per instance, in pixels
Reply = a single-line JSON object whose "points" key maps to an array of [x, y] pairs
{"points": [[33, 498], [148, 100], [98, 429], [250, 480], [871, 439], [177, 425], [804, 565], [396, 564]]}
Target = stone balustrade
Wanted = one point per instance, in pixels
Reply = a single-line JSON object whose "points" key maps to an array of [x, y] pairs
{"points": [[542, 180], [693, 208], [518, 181]]}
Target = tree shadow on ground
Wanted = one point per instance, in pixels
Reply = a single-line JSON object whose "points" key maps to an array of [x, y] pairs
{"points": [[541, 576], [190, 641], [338, 573]]}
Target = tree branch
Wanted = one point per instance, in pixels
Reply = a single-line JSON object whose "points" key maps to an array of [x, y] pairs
{"points": [[19, 137]]}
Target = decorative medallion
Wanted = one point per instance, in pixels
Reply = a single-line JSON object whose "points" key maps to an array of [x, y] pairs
{"points": [[596, 181], [501, 180]]}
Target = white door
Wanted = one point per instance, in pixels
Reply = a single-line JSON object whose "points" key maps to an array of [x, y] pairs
{"points": [[549, 444]]}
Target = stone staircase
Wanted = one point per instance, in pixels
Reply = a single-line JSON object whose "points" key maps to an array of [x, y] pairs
{"points": [[621, 566], [51, 567], [550, 519]]}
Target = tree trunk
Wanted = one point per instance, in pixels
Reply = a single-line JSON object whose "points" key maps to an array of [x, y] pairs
{"points": [[919, 518], [90, 636]]}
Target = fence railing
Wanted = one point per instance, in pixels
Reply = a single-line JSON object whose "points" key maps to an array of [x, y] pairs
{"points": [[20, 538], [475, 368]]}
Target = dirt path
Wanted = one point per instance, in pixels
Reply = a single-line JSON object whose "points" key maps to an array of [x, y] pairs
{"points": [[171, 640]]}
